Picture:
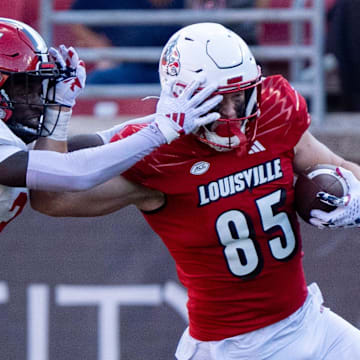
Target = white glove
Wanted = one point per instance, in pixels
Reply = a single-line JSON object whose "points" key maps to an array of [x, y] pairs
{"points": [[178, 115], [70, 85], [347, 212]]}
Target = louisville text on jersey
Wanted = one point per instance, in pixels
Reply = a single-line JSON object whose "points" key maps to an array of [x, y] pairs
{"points": [[240, 181]]}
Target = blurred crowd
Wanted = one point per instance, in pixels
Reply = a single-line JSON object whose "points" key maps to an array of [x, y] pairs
{"points": [[342, 37]]}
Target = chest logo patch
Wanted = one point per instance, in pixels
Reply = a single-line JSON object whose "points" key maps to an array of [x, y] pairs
{"points": [[200, 168]]}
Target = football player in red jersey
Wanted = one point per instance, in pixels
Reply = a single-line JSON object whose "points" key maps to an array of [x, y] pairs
{"points": [[241, 260], [37, 91]]}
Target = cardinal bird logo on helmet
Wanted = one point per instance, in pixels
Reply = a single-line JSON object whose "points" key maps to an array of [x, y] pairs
{"points": [[170, 61]]}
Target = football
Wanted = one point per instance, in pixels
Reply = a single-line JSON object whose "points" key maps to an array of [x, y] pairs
{"points": [[314, 179]]}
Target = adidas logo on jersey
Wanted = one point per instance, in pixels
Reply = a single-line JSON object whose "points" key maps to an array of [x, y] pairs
{"points": [[256, 147]]}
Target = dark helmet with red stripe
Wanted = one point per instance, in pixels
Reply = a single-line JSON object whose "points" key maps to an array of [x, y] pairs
{"points": [[209, 52], [25, 77]]}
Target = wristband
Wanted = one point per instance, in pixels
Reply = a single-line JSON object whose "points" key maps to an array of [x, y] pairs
{"points": [[57, 123], [167, 127]]}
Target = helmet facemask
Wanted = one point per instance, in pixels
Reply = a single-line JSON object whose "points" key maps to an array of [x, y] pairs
{"points": [[237, 130], [25, 96]]}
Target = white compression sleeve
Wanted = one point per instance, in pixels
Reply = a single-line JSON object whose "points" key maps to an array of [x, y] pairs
{"points": [[106, 135], [83, 169]]}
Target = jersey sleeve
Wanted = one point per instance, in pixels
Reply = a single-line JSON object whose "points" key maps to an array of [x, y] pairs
{"points": [[301, 115], [284, 115]]}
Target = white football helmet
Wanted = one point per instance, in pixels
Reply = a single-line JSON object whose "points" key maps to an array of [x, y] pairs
{"points": [[209, 52]]}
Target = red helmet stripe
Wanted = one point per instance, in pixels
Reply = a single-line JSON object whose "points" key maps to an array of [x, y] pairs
{"points": [[47, 66], [235, 80]]}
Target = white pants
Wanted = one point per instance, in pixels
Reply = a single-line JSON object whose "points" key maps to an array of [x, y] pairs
{"points": [[311, 333]]}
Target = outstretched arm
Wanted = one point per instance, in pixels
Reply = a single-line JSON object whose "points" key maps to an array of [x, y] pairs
{"points": [[83, 169], [104, 198], [101, 200], [83, 141]]}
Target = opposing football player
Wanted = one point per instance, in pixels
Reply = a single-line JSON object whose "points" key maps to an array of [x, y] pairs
{"points": [[241, 261], [37, 91]]}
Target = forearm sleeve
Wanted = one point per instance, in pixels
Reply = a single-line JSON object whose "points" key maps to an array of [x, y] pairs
{"points": [[83, 169], [106, 135]]}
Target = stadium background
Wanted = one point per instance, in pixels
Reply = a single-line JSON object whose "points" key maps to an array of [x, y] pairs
{"points": [[105, 288]]}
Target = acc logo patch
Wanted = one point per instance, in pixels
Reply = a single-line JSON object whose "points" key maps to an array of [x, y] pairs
{"points": [[170, 62], [200, 168]]}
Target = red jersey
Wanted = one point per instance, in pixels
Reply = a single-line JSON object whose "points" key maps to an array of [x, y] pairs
{"points": [[229, 222]]}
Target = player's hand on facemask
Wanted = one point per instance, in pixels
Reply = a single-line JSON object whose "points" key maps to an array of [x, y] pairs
{"points": [[347, 208], [67, 88], [184, 114], [72, 82]]}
